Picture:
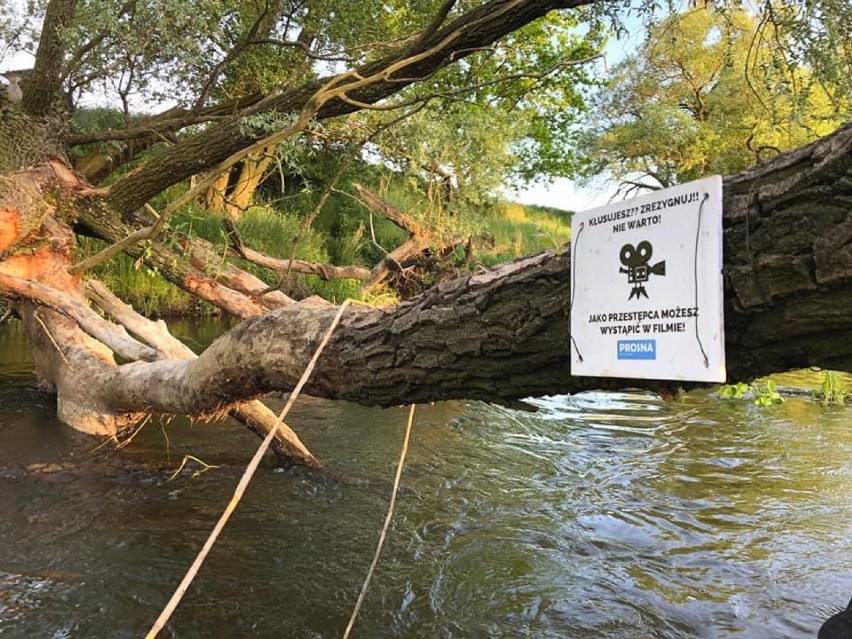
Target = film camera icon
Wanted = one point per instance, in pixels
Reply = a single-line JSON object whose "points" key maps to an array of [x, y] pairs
{"points": [[638, 267]]}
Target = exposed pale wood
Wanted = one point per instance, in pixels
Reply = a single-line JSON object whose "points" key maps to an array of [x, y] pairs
{"points": [[253, 414], [418, 238], [498, 335], [503, 334], [115, 337], [251, 171], [403, 221], [393, 262]]}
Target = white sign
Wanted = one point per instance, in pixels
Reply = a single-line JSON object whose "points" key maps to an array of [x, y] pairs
{"points": [[646, 294]]}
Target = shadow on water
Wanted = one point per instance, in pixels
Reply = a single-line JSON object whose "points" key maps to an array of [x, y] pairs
{"points": [[601, 515]]}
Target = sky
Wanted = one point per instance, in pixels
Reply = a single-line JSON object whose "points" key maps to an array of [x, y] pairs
{"points": [[567, 195]]}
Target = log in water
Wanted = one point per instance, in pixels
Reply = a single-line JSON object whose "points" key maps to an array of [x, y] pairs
{"points": [[613, 515]]}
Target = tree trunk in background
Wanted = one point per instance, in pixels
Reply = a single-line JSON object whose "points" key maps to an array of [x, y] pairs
{"points": [[214, 198], [234, 189], [251, 171]]}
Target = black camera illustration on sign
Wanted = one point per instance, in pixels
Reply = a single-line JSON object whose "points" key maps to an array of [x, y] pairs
{"points": [[639, 270]]}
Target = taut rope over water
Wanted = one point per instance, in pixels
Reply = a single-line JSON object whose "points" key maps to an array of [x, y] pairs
{"points": [[243, 483], [388, 518]]}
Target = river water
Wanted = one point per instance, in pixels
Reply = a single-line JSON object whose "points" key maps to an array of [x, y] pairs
{"points": [[600, 515]]}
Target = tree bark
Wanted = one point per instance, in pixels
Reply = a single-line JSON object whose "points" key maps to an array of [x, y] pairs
{"points": [[251, 171], [503, 334], [385, 77], [43, 88], [498, 335]]}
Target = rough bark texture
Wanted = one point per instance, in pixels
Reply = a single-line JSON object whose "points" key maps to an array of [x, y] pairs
{"points": [[498, 335], [503, 334], [788, 260], [44, 86], [476, 28]]}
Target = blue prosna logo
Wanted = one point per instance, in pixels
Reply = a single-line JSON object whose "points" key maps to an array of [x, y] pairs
{"points": [[637, 349]]}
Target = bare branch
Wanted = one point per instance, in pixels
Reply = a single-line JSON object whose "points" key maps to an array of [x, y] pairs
{"points": [[437, 21], [325, 271], [112, 336], [111, 251], [164, 126], [403, 221]]}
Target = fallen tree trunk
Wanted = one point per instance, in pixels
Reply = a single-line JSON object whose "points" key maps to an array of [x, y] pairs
{"points": [[499, 335], [502, 334]]}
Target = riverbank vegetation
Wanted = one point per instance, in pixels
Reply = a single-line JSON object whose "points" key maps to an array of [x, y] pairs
{"points": [[341, 234], [261, 154]]}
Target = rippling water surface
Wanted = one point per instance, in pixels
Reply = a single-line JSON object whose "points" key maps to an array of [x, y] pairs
{"points": [[601, 515]]}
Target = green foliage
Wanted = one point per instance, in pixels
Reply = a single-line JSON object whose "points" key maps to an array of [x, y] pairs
{"points": [[163, 49], [733, 391], [709, 92], [340, 235], [92, 119], [819, 37], [506, 115], [142, 287], [704, 94], [516, 230], [832, 390], [763, 392], [262, 228]]}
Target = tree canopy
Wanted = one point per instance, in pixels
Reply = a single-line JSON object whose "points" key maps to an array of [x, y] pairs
{"points": [[709, 92], [454, 93]]}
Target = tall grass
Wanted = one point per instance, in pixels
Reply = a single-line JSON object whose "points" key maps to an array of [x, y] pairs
{"points": [[519, 230], [343, 233], [141, 287]]}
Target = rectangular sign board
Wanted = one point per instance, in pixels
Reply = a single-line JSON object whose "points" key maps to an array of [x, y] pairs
{"points": [[646, 293]]}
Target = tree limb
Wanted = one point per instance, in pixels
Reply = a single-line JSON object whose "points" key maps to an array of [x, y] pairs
{"points": [[502, 334], [403, 221], [112, 336], [253, 414], [367, 84], [325, 271], [44, 84]]}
